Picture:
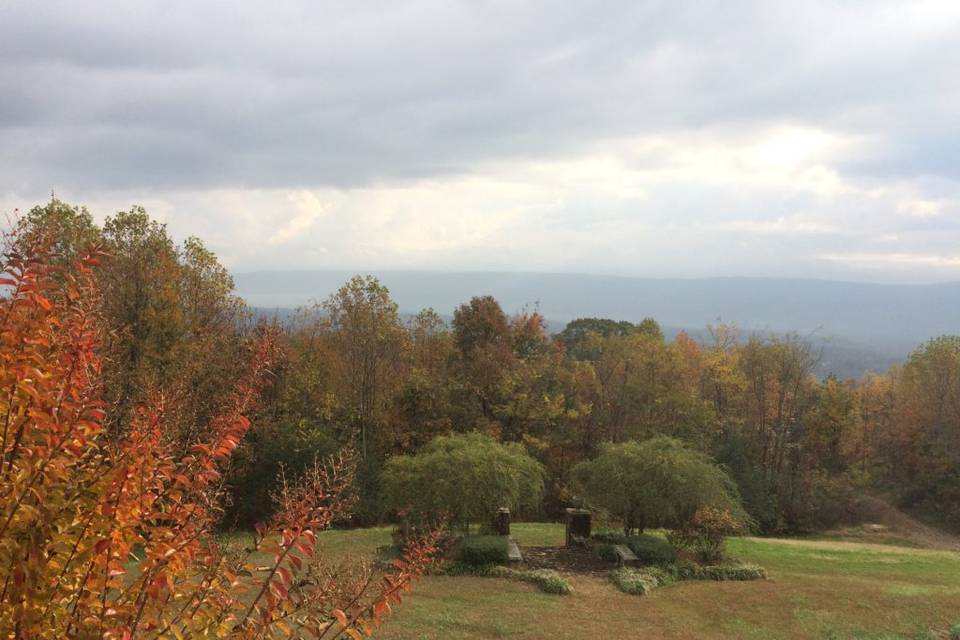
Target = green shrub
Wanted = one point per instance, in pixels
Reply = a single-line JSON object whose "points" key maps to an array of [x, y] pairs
{"points": [[610, 537], [685, 570], [652, 550], [649, 549], [955, 632], [482, 550], [605, 551]]}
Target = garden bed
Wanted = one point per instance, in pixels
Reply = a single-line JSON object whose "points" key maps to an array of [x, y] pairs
{"points": [[576, 560]]}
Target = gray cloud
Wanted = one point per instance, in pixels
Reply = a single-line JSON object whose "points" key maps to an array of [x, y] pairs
{"points": [[255, 94], [189, 104]]}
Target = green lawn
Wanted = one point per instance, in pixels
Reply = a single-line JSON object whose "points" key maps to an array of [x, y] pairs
{"points": [[817, 589]]}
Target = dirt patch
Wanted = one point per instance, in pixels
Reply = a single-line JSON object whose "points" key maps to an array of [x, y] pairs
{"points": [[849, 545], [568, 560]]}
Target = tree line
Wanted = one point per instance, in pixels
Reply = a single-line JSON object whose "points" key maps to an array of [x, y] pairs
{"points": [[802, 451]]}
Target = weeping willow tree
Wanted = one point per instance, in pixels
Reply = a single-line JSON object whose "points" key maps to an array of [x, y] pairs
{"points": [[464, 478], [660, 482]]}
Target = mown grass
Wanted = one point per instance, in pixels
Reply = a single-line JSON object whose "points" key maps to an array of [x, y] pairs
{"points": [[817, 589], [538, 534]]}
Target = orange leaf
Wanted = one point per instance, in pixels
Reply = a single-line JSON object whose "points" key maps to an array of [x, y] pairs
{"points": [[277, 586], [367, 629]]}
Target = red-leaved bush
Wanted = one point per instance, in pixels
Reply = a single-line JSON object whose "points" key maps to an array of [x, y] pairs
{"points": [[104, 537], [706, 533]]}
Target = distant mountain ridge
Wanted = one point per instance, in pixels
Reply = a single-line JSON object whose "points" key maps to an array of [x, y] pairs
{"points": [[887, 320]]}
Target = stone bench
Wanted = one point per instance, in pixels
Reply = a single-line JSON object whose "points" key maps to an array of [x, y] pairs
{"points": [[625, 557], [513, 551]]}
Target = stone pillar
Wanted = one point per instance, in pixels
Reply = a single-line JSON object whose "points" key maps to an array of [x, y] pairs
{"points": [[578, 525], [501, 522]]}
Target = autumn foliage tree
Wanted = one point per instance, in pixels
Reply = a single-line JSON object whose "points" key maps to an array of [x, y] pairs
{"points": [[104, 537], [916, 446]]}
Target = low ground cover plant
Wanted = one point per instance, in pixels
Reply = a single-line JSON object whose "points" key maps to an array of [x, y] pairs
{"points": [[641, 581], [634, 581], [721, 572], [547, 580]]}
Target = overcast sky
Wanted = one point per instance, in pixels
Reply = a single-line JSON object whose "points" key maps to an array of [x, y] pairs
{"points": [[810, 139]]}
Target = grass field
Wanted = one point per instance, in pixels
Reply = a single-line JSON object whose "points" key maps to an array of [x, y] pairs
{"points": [[817, 589]]}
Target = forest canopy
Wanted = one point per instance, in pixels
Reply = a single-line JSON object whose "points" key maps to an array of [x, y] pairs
{"points": [[803, 452]]}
